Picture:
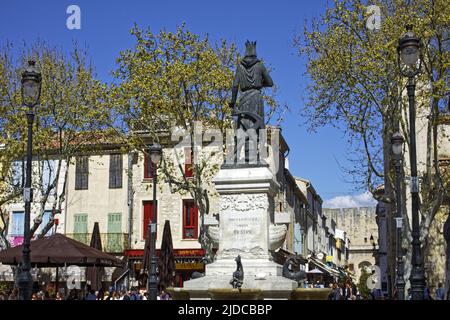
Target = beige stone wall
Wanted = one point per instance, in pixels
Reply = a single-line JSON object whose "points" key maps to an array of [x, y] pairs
{"points": [[435, 256], [98, 200], [170, 207], [359, 224]]}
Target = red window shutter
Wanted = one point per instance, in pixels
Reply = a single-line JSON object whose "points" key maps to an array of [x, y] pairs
{"points": [[185, 208], [190, 220], [195, 218], [148, 215]]}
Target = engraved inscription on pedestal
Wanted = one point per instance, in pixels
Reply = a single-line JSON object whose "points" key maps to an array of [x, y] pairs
{"points": [[244, 224], [243, 231]]}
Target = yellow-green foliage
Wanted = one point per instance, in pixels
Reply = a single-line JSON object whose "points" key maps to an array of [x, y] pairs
{"points": [[69, 116], [356, 84]]}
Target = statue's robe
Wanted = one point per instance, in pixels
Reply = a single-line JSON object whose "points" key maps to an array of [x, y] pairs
{"points": [[251, 76]]}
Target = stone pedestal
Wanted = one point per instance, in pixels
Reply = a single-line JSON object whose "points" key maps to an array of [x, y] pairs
{"points": [[246, 215]]}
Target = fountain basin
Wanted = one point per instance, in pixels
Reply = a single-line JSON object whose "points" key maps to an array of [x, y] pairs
{"points": [[178, 293], [235, 294], [310, 293]]}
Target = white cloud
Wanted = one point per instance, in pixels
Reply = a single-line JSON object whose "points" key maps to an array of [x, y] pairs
{"points": [[355, 201]]}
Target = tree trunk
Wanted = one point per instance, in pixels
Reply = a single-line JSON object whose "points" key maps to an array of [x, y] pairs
{"points": [[447, 263], [389, 194]]}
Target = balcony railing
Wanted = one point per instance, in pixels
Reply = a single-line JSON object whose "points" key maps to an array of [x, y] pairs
{"points": [[111, 242]]}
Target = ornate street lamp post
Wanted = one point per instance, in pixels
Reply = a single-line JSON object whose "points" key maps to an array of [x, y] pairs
{"points": [[31, 91], [397, 150], [155, 151], [410, 63]]}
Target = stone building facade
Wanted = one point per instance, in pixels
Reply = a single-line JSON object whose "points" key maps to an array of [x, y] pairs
{"points": [[362, 230], [124, 210]]}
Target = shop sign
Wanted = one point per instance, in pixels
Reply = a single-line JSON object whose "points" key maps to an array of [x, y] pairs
{"points": [[189, 266]]}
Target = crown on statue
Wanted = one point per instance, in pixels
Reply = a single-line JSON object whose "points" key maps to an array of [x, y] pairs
{"points": [[250, 48]]}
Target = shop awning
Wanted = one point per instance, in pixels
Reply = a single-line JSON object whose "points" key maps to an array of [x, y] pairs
{"points": [[280, 256], [185, 259], [315, 271], [324, 267], [186, 253]]}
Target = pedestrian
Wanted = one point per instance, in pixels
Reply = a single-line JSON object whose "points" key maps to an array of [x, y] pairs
{"points": [[376, 293], [354, 289], [91, 295], [142, 294], [72, 295], [336, 292], [134, 295], [164, 295], [439, 294], [14, 295], [100, 295], [125, 296], [427, 293], [46, 295], [115, 296], [347, 291]]}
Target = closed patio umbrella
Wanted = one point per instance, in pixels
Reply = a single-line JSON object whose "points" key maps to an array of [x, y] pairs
{"points": [[166, 262], [146, 258], [94, 275]]}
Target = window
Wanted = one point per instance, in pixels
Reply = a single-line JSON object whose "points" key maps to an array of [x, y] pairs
{"points": [[48, 174], [114, 237], [115, 171], [81, 173], [18, 218], [80, 228], [188, 166], [148, 215], [149, 167], [114, 223], [190, 220], [45, 220]]}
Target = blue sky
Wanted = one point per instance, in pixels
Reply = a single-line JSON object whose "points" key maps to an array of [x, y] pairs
{"points": [[105, 29]]}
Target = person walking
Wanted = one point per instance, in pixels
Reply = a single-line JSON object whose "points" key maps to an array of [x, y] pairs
{"points": [[439, 294], [14, 295], [336, 292], [347, 292], [91, 295], [125, 296], [427, 293], [164, 295], [115, 296]]}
